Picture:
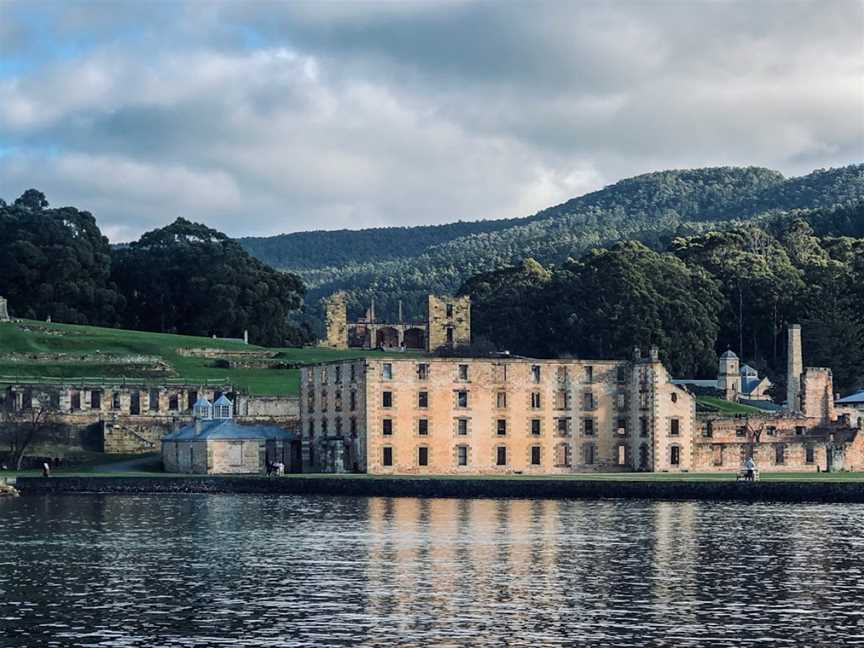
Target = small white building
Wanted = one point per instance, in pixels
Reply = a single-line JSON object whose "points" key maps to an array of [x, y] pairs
{"points": [[216, 444]]}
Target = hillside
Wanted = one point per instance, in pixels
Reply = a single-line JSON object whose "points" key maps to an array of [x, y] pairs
{"points": [[33, 351], [404, 263]]}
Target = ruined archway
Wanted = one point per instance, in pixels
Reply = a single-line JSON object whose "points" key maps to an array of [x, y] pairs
{"points": [[387, 337], [415, 338]]}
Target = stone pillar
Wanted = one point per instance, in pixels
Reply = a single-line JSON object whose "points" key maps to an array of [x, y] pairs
{"points": [[795, 367], [4, 312]]}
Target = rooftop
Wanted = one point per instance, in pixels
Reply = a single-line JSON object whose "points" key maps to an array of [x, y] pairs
{"points": [[228, 429]]}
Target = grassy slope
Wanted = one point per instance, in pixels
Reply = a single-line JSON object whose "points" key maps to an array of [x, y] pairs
{"points": [[39, 337], [726, 407]]}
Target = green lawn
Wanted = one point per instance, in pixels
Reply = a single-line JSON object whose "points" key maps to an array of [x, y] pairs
{"points": [[39, 337], [712, 403]]}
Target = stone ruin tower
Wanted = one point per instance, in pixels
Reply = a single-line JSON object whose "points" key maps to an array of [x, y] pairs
{"points": [[336, 321], [448, 322], [4, 311]]}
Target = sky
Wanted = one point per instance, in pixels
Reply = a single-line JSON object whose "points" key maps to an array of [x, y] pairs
{"points": [[260, 118]]}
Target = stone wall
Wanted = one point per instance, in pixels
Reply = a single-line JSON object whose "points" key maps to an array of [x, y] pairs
{"points": [[549, 488], [817, 394], [336, 321], [448, 322]]}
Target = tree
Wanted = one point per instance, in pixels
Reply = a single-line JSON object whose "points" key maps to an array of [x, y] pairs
{"points": [[22, 425]]}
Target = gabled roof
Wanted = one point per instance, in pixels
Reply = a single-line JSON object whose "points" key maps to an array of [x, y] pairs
{"points": [[853, 399], [695, 383], [728, 354], [230, 430]]}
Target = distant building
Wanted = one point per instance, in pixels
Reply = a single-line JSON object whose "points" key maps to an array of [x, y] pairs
{"points": [[216, 444], [447, 325], [733, 382], [853, 405]]}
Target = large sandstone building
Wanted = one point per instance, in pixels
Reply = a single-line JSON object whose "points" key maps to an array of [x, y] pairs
{"points": [[495, 415], [447, 325]]}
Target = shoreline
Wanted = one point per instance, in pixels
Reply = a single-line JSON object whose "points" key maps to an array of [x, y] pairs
{"points": [[443, 487]]}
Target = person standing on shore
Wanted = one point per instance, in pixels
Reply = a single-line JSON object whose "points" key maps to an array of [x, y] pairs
{"points": [[750, 467]]}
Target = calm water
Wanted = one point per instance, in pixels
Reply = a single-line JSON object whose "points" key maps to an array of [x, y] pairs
{"points": [[208, 570]]}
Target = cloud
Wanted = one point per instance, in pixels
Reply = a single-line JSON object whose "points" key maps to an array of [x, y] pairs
{"points": [[263, 118]]}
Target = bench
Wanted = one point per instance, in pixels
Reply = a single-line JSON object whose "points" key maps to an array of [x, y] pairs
{"points": [[742, 475]]}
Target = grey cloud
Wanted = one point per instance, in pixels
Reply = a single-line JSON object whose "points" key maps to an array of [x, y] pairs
{"points": [[266, 117]]}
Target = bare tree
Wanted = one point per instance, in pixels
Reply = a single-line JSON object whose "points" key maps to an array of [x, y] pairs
{"points": [[22, 425]]}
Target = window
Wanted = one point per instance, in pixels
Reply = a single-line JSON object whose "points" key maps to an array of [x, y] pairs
{"points": [[115, 400], [173, 403], [462, 455], [620, 374], [353, 427], [535, 400], [779, 454], [387, 399], [310, 399], [353, 372], [450, 335], [337, 401], [499, 372], [387, 458], [675, 455], [535, 455], [589, 374], [622, 426], [622, 455], [462, 427], [422, 371], [323, 401], [771, 431], [674, 427], [154, 400], [462, 398], [134, 402], [562, 455], [708, 430], [422, 456], [352, 400], [423, 399], [809, 454], [501, 427], [674, 397], [563, 426], [562, 374], [535, 373], [500, 456], [338, 427], [718, 455], [588, 426], [449, 309], [423, 427], [324, 375], [535, 427], [588, 401], [311, 429], [588, 454], [463, 372], [621, 400], [324, 427], [95, 400], [387, 427], [799, 430], [27, 400], [387, 371], [501, 400], [740, 431], [561, 399], [643, 426], [337, 378], [192, 398]]}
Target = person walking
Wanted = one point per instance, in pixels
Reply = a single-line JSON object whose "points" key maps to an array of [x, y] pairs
{"points": [[750, 467]]}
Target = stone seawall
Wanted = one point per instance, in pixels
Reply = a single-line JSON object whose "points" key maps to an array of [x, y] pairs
{"points": [[779, 491]]}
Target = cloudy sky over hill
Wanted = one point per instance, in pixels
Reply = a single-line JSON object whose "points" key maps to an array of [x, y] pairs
{"points": [[261, 118]]}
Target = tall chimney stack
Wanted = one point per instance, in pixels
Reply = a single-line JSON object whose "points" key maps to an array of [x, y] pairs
{"points": [[795, 367]]}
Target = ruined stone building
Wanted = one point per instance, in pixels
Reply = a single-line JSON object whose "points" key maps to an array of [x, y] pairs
{"points": [[734, 382], [128, 417], [216, 444], [447, 325], [494, 415]]}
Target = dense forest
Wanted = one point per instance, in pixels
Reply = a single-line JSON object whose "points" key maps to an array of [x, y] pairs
{"points": [[184, 278], [391, 264], [736, 287]]}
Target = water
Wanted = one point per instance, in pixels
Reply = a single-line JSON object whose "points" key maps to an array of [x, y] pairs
{"points": [[210, 570]]}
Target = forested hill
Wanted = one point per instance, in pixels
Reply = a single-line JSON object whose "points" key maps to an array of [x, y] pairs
{"points": [[404, 263]]}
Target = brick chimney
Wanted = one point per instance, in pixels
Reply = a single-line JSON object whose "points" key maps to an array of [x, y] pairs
{"points": [[795, 367]]}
